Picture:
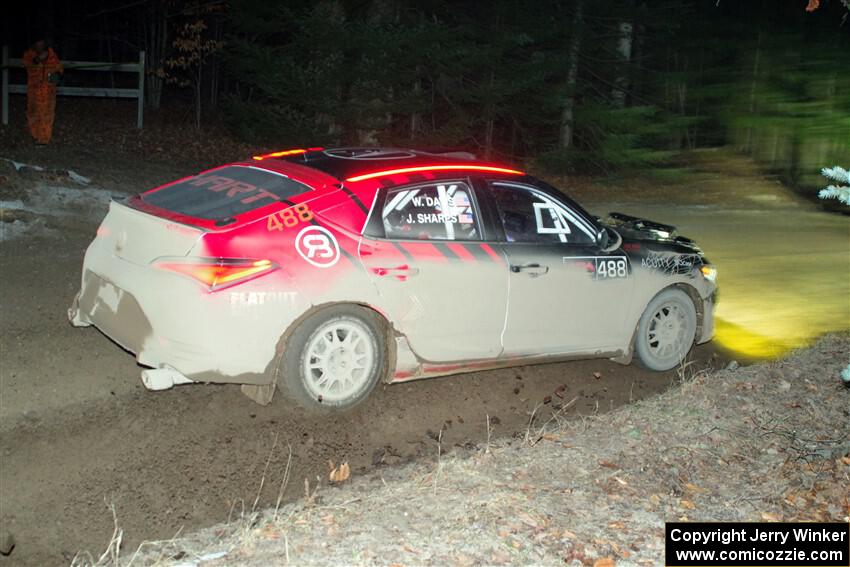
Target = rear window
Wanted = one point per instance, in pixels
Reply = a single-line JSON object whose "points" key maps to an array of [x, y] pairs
{"points": [[224, 193]]}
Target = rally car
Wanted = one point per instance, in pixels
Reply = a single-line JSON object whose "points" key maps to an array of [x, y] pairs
{"points": [[326, 271]]}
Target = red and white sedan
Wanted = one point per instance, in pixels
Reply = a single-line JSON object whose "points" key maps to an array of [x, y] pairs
{"points": [[325, 271]]}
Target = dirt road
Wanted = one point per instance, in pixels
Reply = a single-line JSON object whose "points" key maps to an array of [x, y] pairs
{"points": [[783, 262], [78, 432]]}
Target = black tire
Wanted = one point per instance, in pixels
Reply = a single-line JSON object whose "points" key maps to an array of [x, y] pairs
{"points": [[303, 384], [666, 330]]}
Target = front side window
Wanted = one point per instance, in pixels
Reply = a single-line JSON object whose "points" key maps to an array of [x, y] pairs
{"points": [[435, 211], [530, 215]]}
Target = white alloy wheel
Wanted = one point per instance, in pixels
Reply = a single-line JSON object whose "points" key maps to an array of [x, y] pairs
{"points": [[339, 360], [666, 331]]}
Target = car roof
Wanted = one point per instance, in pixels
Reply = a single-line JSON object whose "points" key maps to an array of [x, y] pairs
{"points": [[345, 163]]}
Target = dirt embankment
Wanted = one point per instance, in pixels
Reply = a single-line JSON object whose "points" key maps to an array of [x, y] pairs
{"points": [[763, 443]]}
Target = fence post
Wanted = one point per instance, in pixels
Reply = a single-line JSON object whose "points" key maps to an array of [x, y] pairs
{"points": [[140, 119], [5, 65]]}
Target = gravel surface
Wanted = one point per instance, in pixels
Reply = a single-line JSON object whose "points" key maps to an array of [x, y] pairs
{"points": [[769, 442]]}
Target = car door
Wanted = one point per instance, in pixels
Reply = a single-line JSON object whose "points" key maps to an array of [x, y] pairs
{"points": [[442, 286], [566, 295]]}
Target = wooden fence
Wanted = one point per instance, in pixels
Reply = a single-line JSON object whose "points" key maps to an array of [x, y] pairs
{"points": [[138, 93]]}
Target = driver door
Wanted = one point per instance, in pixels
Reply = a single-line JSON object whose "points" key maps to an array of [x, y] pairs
{"points": [[441, 285], [566, 295]]}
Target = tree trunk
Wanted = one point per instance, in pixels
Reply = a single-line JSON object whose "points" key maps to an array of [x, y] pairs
{"points": [[214, 66], [624, 52], [568, 111], [198, 85], [156, 45], [490, 127], [639, 50], [70, 41], [415, 116], [753, 85]]}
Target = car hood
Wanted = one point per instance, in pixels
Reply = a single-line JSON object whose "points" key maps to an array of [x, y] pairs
{"points": [[645, 235]]}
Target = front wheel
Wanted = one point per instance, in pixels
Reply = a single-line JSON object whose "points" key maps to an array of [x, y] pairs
{"points": [[666, 330], [334, 358]]}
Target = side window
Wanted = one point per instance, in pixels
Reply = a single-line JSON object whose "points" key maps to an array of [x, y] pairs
{"points": [[529, 215], [433, 211]]}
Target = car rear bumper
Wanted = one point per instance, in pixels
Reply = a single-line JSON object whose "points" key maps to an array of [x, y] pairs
{"points": [[169, 321]]}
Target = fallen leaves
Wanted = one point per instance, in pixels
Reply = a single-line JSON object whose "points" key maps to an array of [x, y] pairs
{"points": [[693, 488], [271, 532], [340, 473]]}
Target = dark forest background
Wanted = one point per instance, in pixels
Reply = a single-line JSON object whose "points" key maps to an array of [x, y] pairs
{"points": [[571, 85]]}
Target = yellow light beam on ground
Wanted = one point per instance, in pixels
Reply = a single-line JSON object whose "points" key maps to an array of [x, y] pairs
{"points": [[750, 344]]}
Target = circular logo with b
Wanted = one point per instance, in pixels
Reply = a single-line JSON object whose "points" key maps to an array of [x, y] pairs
{"points": [[318, 246]]}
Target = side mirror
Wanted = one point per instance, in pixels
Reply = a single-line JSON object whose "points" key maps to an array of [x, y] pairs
{"points": [[604, 240]]}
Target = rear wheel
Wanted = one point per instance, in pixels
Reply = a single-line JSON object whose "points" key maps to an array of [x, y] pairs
{"points": [[334, 358], [666, 330]]}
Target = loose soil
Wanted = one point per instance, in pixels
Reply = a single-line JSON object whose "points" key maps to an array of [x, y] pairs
{"points": [[769, 442]]}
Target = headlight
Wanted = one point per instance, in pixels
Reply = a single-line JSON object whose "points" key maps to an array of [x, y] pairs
{"points": [[709, 272]]}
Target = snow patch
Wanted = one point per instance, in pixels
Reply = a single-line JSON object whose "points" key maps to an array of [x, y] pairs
{"points": [[56, 202], [20, 165], [12, 230], [57, 199], [18, 228], [76, 177], [16, 205]]}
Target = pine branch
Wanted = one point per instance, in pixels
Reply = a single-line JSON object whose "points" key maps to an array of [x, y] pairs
{"points": [[839, 192], [836, 173], [835, 192]]}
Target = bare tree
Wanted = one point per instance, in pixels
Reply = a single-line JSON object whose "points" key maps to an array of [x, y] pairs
{"points": [[568, 111], [193, 50]]}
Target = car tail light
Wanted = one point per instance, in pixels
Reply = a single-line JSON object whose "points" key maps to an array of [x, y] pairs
{"points": [[217, 273]]}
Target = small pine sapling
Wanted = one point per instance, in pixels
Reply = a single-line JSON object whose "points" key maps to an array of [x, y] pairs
{"points": [[842, 193]]}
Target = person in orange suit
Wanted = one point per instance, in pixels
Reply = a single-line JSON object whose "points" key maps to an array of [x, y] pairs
{"points": [[43, 70]]}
